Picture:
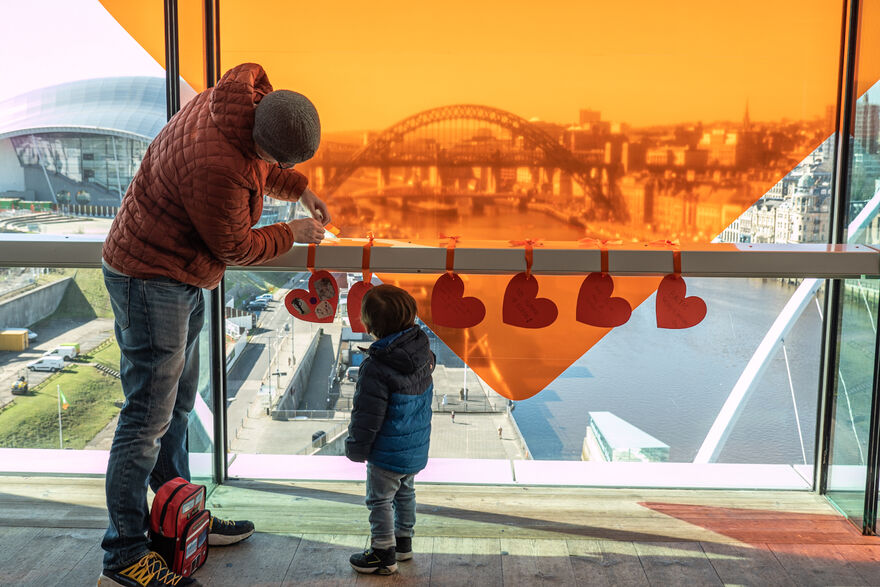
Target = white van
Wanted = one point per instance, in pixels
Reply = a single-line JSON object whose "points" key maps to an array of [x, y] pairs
{"points": [[47, 364], [63, 352]]}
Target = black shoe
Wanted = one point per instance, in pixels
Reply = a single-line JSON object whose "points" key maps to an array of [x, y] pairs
{"points": [[226, 532], [404, 548], [149, 571], [375, 560]]}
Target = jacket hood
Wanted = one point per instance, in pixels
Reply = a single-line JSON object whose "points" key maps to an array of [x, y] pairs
{"points": [[405, 351], [232, 104]]}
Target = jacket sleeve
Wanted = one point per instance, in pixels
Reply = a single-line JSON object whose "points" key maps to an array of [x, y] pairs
{"points": [[218, 205], [367, 415], [285, 184]]}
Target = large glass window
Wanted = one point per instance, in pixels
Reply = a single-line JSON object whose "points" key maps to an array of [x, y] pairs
{"points": [[859, 313], [86, 102]]}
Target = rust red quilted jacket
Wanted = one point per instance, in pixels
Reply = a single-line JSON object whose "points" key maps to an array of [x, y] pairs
{"points": [[190, 208]]}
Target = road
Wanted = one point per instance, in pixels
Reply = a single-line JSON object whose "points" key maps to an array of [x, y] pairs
{"points": [[251, 370], [50, 334]]}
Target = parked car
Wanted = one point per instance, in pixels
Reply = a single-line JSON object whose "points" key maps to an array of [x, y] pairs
{"points": [[352, 373], [32, 336], [257, 306], [267, 297], [47, 364]]}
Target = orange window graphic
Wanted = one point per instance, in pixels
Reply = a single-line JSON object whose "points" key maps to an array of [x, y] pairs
{"points": [[500, 121]]}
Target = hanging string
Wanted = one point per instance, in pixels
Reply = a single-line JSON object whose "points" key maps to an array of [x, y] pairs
{"points": [[529, 244], [603, 250], [310, 259], [451, 241], [676, 254], [365, 259]]}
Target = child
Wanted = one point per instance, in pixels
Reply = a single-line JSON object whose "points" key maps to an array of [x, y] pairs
{"points": [[391, 424]]}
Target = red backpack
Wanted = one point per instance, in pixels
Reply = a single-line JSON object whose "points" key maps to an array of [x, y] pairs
{"points": [[179, 525]]}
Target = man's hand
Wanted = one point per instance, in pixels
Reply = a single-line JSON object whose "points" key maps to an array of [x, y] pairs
{"points": [[316, 207], [306, 230]]}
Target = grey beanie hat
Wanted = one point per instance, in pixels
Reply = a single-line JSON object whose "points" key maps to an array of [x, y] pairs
{"points": [[286, 126]]}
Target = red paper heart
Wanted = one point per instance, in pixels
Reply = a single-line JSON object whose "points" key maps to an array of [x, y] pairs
{"points": [[449, 306], [355, 297], [596, 307], [674, 310], [522, 307], [317, 304]]}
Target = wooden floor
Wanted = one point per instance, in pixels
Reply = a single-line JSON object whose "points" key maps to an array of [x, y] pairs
{"points": [[50, 530]]}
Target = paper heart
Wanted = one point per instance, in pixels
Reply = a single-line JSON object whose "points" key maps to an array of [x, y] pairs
{"points": [[522, 307], [449, 306], [318, 304], [355, 297], [674, 310], [596, 307]]}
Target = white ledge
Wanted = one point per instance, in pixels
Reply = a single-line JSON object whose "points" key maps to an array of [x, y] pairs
{"points": [[709, 260]]}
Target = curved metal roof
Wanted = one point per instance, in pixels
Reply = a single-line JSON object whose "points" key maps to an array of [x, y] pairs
{"points": [[133, 106]]}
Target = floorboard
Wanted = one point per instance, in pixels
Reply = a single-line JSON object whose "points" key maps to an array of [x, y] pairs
{"points": [[535, 562], [606, 562], [676, 564]]}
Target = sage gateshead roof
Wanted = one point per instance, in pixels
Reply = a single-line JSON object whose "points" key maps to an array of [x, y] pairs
{"points": [[133, 107]]}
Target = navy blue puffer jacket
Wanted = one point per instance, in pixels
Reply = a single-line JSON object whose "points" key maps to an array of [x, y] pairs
{"points": [[391, 416]]}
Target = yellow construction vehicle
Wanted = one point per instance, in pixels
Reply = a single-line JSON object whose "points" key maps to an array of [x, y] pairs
{"points": [[20, 387]]}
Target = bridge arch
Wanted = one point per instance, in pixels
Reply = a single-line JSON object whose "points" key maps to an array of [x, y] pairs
{"points": [[555, 155]]}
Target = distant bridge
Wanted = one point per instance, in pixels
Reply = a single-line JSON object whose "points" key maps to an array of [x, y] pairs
{"points": [[534, 149]]}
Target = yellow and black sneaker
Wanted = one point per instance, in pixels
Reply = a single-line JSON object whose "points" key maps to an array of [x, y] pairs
{"points": [[226, 532], [375, 560], [149, 571]]}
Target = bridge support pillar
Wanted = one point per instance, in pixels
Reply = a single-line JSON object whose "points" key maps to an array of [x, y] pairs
{"points": [[563, 185], [496, 179], [546, 180], [489, 177], [383, 179]]}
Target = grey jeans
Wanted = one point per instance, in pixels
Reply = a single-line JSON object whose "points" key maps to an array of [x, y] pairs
{"points": [[391, 499]]}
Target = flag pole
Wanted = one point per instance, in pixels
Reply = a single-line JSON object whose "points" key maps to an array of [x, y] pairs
{"points": [[60, 437]]}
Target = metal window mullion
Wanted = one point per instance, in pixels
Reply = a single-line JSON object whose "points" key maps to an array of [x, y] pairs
{"points": [[840, 181], [172, 59], [217, 295], [872, 483]]}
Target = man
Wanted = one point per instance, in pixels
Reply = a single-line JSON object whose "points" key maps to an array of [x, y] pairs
{"points": [[187, 214]]}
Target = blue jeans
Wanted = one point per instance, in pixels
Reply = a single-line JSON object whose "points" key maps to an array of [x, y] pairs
{"points": [[387, 489], [157, 323]]}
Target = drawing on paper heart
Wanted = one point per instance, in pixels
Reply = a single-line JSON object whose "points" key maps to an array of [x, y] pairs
{"points": [[596, 307], [522, 307], [450, 307], [318, 304], [355, 298], [674, 310]]}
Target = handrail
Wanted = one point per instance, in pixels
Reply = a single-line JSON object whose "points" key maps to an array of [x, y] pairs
{"points": [[708, 260]]}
